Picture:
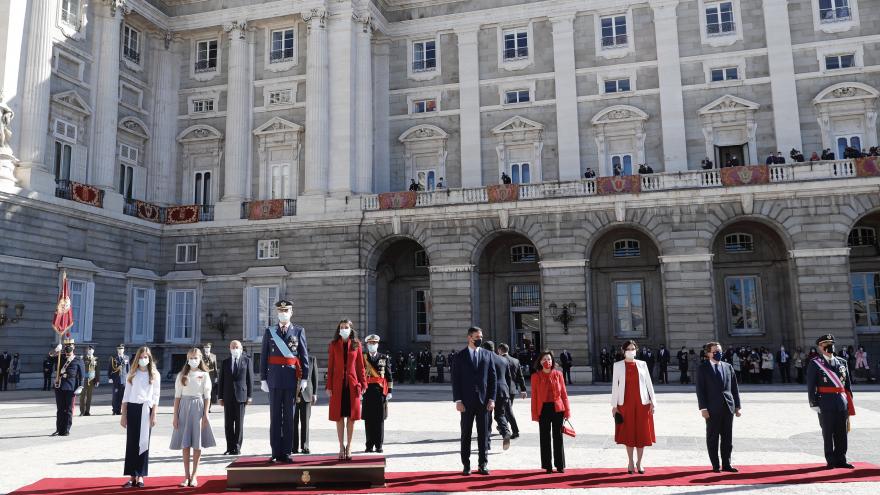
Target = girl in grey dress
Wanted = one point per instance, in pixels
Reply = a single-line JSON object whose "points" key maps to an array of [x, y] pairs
{"points": [[192, 430]]}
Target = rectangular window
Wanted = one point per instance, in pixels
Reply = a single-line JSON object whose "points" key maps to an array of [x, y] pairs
{"points": [[525, 296], [267, 249], [203, 105], [520, 173], [523, 253], [426, 105], [629, 309], [742, 305], [617, 85], [422, 259], [834, 10], [516, 44], [279, 182], [865, 304], [516, 96], [845, 61], [621, 164], [422, 312], [70, 13], [187, 253], [202, 188], [128, 153], [725, 74], [261, 313], [280, 97], [206, 56], [282, 46], [143, 302], [131, 44], [719, 19], [614, 31], [424, 56], [65, 130], [126, 179], [63, 154], [181, 315]]}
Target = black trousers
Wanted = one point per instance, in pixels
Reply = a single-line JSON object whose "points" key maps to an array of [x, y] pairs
{"points": [[550, 427], [566, 373], [834, 435], [118, 392], [233, 422], [800, 375], [215, 391], [502, 405], [684, 375], [281, 421], [373, 412], [664, 374], [302, 413], [439, 374], [481, 416], [64, 411], [4, 379], [47, 381], [719, 425], [510, 417], [136, 464], [785, 372]]}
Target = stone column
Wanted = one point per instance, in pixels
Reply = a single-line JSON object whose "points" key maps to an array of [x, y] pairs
{"points": [[317, 146], [567, 123], [783, 90], [342, 88], [469, 103], [34, 170], [823, 294], [363, 183], [564, 282], [453, 304], [162, 148], [671, 100], [238, 111], [381, 111], [688, 299]]}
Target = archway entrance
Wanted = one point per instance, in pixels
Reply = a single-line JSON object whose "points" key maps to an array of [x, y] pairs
{"points": [[864, 263], [400, 296]]}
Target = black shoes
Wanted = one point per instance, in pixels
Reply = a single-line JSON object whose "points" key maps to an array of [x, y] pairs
{"points": [[378, 450], [846, 465], [483, 470], [730, 469], [514, 436], [466, 471], [369, 450], [549, 471], [306, 451], [562, 470], [716, 469]]}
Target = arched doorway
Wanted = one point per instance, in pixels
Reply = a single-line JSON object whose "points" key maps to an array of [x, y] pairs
{"points": [[399, 295], [510, 292], [627, 290], [864, 264], [753, 297]]}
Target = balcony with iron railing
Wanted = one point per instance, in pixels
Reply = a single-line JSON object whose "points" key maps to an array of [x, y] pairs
{"points": [[81, 193], [267, 209], [649, 183], [131, 54]]}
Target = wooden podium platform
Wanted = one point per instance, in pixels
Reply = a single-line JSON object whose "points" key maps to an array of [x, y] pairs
{"points": [[307, 472]]}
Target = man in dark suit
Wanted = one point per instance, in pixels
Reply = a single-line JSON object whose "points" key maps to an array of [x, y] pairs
{"points": [[829, 389], [566, 362], [303, 410], [683, 365], [5, 363], [663, 360], [502, 393], [516, 380], [235, 384], [473, 390], [718, 398], [783, 361]]}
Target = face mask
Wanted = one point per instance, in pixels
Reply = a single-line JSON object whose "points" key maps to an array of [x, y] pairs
{"points": [[284, 317], [207, 350], [236, 353], [90, 352], [829, 348], [120, 352], [372, 347], [716, 356], [344, 333], [546, 364], [194, 362], [478, 342], [144, 362], [68, 350], [630, 354]]}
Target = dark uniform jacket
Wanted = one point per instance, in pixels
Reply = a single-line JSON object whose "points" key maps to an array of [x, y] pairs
{"points": [[48, 363], [71, 374], [91, 363], [502, 376], [817, 377], [118, 368], [284, 376], [381, 364]]}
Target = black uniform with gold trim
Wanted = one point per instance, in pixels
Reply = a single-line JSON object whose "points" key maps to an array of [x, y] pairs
{"points": [[70, 373], [829, 389], [380, 381], [117, 371]]}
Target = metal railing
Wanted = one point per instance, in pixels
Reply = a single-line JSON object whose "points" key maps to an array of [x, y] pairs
{"points": [[64, 190], [206, 213], [288, 211], [131, 54]]}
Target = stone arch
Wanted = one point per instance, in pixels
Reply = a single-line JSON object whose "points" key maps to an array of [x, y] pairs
{"points": [[773, 224], [485, 238], [599, 233]]}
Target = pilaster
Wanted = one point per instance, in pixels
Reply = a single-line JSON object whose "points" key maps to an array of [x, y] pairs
{"points": [[567, 123], [161, 153], [564, 282], [783, 90], [363, 169], [317, 145], [342, 91], [669, 71], [381, 110], [822, 278], [469, 115], [108, 24], [688, 299], [453, 292]]}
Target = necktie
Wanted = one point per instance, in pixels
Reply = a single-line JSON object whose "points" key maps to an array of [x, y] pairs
{"points": [[474, 357], [234, 365], [718, 371]]}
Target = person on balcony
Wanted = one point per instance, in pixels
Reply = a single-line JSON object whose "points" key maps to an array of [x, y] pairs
{"points": [[780, 160], [815, 156], [827, 154], [505, 179], [771, 159], [732, 161], [617, 170], [589, 174], [707, 164], [440, 183], [642, 169]]}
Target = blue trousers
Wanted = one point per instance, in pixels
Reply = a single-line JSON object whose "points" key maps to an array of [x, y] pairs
{"points": [[281, 422]]}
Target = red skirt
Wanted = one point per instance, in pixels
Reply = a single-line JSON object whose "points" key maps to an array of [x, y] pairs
{"points": [[637, 429]]}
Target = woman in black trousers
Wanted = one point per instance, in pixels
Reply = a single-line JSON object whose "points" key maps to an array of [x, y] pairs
{"points": [[549, 408], [139, 408]]}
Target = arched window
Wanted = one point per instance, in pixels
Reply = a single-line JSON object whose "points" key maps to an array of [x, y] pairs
{"points": [[422, 259], [627, 248], [738, 243], [523, 253], [862, 236]]}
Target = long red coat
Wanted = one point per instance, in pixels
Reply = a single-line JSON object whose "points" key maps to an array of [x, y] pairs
{"points": [[355, 373]]}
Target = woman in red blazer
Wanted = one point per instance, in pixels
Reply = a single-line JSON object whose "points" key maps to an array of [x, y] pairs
{"points": [[346, 382], [549, 408]]}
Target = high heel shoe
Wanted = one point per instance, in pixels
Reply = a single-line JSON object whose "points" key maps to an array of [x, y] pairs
{"points": [[341, 456], [194, 482], [640, 470], [348, 452], [629, 469], [184, 483]]}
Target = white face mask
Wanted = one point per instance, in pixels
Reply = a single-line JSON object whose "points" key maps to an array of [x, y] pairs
{"points": [[90, 352], [143, 362], [194, 362], [120, 352], [372, 347], [207, 350], [284, 317], [236, 353], [630, 354], [344, 333]]}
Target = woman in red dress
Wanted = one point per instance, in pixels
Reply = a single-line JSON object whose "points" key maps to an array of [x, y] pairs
{"points": [[346, 382], [632, 395]]}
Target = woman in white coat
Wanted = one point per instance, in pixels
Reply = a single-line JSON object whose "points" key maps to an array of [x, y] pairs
{"points": [[633, 401]]}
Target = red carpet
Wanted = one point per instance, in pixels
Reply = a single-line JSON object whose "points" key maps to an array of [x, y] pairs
{"points": [[498, 480]]}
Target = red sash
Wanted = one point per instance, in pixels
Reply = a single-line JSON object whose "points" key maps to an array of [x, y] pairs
{"points": [[285, 361], [838, 387], [381, 381]]}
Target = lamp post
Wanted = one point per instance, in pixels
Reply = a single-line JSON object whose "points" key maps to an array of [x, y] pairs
{"points": [[4, 317], [219, 324], [565, 316]]}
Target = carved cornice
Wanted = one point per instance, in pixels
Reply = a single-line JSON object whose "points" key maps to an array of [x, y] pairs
{"points": [[315, 18], [239, 27]]}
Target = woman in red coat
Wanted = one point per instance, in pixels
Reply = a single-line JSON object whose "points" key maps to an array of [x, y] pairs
{"points": [[549, 408], [346, 382]]}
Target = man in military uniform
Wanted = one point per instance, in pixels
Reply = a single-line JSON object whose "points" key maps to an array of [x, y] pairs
{"points": [[829, 388], [440, 363], [425, 362], [117, 373], [69, 374], [48, 363], [211, 363], [284, 361], [93, 378], [411, 366], [380, 381]]}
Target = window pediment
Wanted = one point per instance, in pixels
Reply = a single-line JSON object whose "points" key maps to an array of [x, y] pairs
{"points": [[276, 125], [199, 133], [846, 91], [134, 126], [728, 103], [619, 113], [423, 132], [72, 100], [517, 124]]}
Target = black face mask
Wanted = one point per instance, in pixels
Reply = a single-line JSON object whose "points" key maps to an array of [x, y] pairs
{"points": [[478, 342], [716, 356], [829, 348]]}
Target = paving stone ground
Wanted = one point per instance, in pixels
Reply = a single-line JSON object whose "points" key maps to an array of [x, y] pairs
{"points": [[777, 427]]}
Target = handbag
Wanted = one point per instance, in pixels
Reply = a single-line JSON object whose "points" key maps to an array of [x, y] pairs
{"points": [[568, 430], [618, 418]]}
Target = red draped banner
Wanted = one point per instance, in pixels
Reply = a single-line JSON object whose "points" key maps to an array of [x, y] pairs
{"points": [[84, 193], [397, 200], [182, 214], [620, 184], [265, 210], [148, 211], [499, 193], [747, 175], [867, 167]]}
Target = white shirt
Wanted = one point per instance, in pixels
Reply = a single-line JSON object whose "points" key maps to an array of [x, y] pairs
{"points": [[140, 390], [198, 384]]}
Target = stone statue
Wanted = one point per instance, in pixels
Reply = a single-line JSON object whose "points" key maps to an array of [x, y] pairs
{"points": [[6, 116]]}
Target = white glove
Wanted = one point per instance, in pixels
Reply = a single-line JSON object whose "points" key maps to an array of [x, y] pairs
{"points": [[303, 384], [78, 391], [264, 386], [58, 348], [816, 409], [388, 397], [110, 381]]}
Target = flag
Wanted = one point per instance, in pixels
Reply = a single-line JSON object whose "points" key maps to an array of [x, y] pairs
{"points": [[64, 310]]}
